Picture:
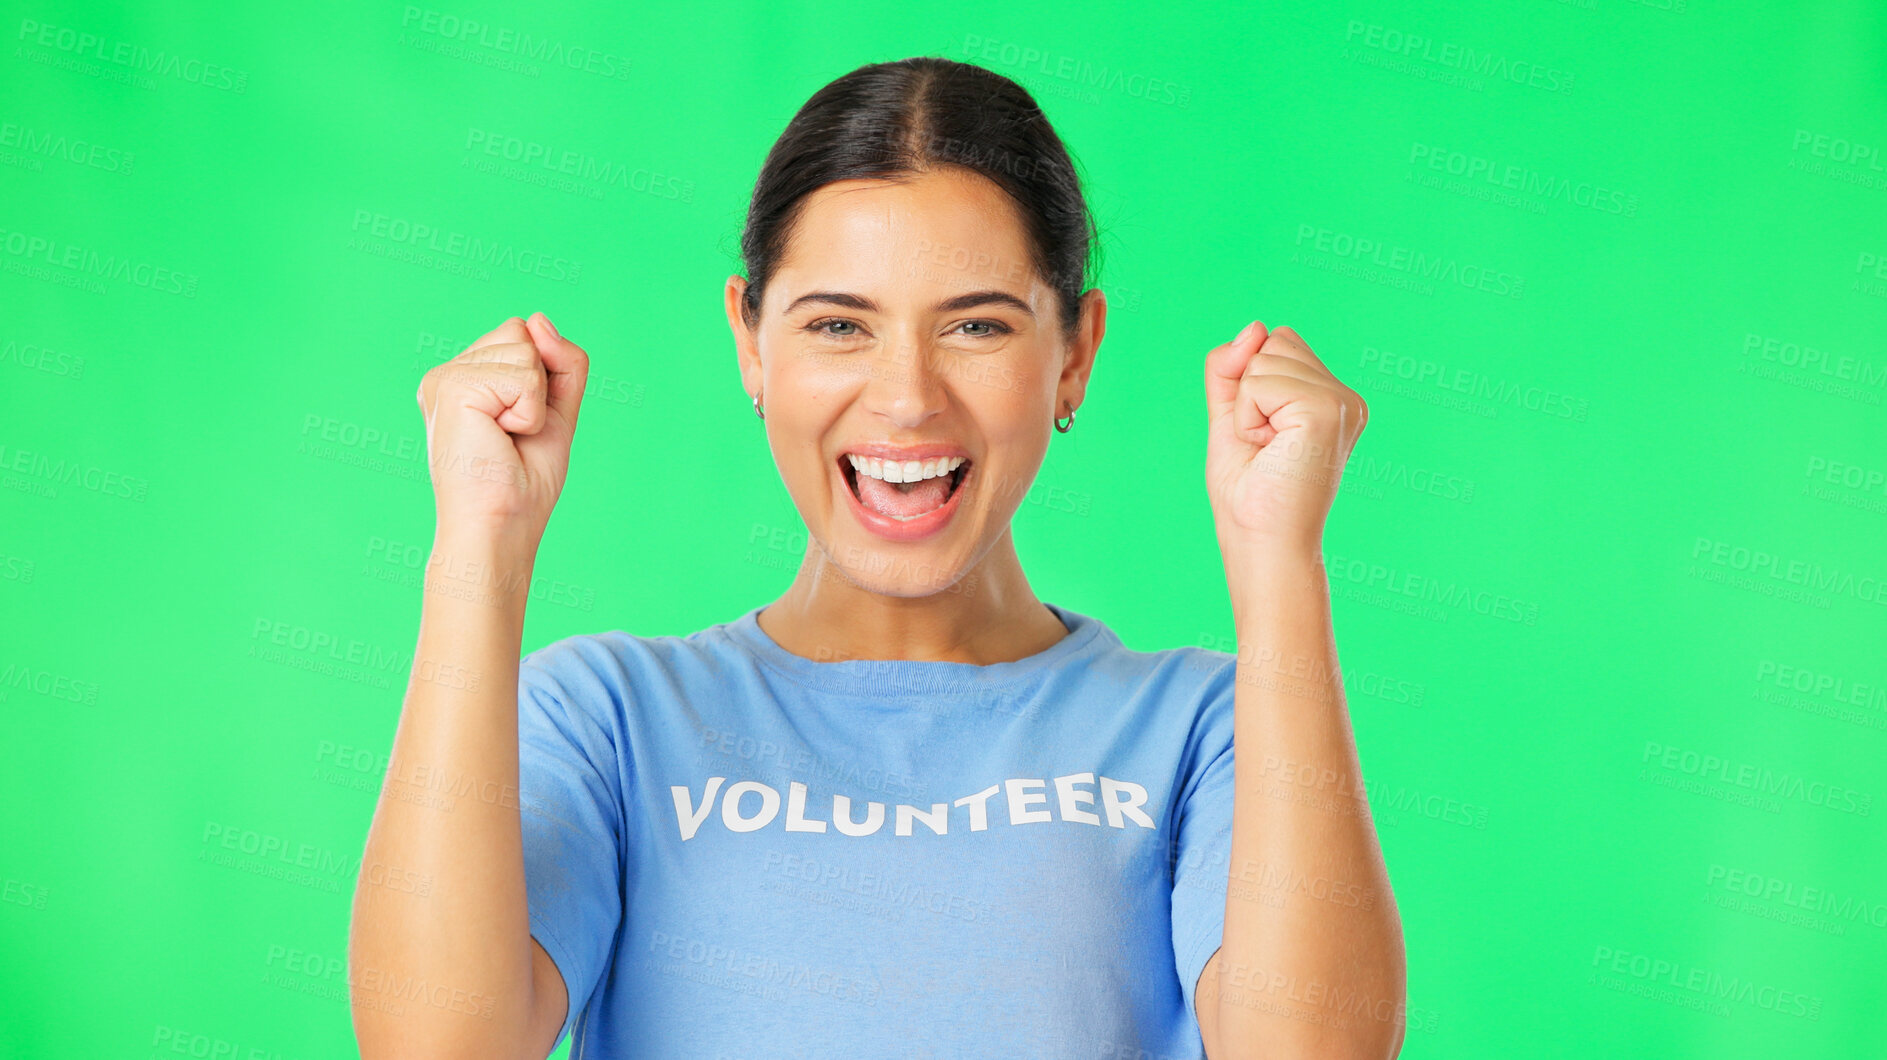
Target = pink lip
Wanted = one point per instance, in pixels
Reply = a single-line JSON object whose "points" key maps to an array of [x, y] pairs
{"points": [[908, 530], [906, 452]]}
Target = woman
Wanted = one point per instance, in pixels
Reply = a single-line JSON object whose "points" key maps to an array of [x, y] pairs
{"points": [[907, 809]]}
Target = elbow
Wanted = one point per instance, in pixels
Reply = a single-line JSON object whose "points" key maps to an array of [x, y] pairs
{"points": [[1376, 1043], [1372, 1031], [380, 1035]]}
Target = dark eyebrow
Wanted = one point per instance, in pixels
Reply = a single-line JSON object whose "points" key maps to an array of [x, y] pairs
{"points": [[948, 305]]}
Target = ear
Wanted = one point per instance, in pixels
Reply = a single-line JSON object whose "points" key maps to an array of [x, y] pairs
{"points": [[746, 343], [1078, 355]]}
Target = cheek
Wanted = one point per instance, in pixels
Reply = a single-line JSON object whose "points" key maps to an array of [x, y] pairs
{"points": [[1012, 417], [1021, 395]]}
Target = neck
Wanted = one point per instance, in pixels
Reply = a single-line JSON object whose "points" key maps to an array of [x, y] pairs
{"points": [[989, 615]]}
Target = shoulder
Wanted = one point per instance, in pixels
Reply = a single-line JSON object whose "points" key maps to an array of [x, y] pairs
{"points": [[1198, 675], [1182, 698], [1188, 686], [1208, 676], [1197, 684], [615, 665]]}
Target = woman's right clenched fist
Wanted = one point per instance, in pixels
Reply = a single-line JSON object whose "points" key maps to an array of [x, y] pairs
{"points": [[499, 420]]}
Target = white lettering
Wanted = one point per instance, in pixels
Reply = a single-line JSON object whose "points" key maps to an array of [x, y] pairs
{"points": [[1027, 798], [730, 807], [1065, 788], [796, 810], [842, 816], [937, 820], [1018, 801], [1136, 796], [685, 814], [979, 808]]}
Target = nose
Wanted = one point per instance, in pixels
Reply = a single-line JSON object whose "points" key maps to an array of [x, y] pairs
{"points": [[906, 383]]}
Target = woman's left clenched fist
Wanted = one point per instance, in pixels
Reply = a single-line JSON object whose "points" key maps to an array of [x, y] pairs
{"points": [[1281, 428]]}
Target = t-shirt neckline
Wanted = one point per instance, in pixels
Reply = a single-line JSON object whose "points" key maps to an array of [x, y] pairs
{"points": [[890, 677]]}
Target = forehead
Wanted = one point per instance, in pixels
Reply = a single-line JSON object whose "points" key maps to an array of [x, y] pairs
{"points": [[944, 228]]}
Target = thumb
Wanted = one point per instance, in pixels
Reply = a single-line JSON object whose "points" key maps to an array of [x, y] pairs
{"points": [[566, 367], [1225, 367]]}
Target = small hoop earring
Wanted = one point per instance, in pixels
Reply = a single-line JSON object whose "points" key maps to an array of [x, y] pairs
{"points": [[759, 409], [1071, 418]]}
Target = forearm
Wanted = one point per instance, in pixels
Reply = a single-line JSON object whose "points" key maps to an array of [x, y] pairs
{"points": [[1312, 959], [440, 949]]}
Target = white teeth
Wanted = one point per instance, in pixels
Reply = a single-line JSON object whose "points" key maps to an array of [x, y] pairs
{"points": [[906, 471]]}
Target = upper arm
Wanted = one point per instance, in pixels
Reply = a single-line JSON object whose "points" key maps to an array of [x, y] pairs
{"points": [[1202, 853], [550, 1002], [1207, 1009], [572, 825]]}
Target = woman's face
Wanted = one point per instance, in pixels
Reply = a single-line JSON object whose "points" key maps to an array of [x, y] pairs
{"points": [[905, 329]]}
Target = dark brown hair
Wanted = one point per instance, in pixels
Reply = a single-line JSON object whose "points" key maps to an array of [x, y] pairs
{"points": [[893, 120]]}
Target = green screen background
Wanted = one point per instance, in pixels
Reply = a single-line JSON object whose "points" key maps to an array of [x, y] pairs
{"points": [[1607, 565]]}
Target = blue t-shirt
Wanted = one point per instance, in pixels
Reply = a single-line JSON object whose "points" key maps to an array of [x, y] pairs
{"points": [[734, 852]]}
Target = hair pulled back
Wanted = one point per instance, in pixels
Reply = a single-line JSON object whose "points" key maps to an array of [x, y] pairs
{"points": [[895, 120]]}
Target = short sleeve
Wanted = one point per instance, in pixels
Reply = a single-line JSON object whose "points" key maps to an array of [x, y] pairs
{"points": [[570, 809], [1202, 854]]}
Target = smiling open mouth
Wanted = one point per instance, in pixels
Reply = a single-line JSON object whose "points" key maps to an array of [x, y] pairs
{"points": [[903, 491]]}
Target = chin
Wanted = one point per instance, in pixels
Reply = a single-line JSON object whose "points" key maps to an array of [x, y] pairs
{"points": [[898, 571]]}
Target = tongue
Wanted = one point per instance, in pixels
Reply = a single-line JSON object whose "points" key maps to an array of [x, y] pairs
{"points": [[887, 499]]}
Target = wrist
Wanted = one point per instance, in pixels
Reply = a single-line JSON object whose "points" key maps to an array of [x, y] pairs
{"points": [[1246, 549], [1257, 578], [489, 567], [511, 541]]}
